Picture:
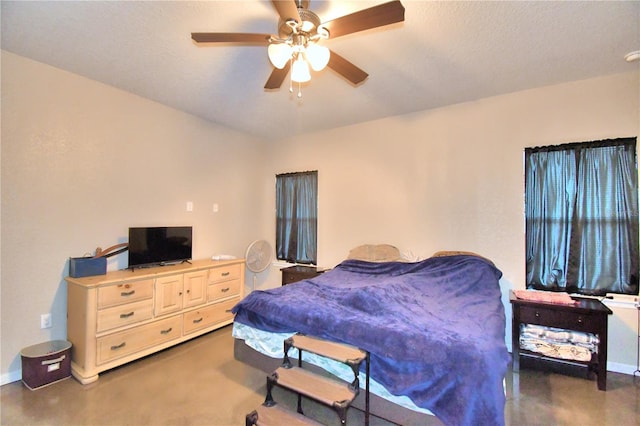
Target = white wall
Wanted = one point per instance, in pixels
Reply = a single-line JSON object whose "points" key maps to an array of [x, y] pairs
{"points": [[623, 328], [453, 178], [81, 162]]}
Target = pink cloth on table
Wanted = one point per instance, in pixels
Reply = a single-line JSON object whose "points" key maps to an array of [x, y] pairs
{"points": [[545, 296]]}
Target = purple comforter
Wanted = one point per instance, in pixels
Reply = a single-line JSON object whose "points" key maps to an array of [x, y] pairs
{"points": [[435, 329]]}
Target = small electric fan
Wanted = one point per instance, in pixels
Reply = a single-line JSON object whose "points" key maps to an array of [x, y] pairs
{"points": [[258, 257]]}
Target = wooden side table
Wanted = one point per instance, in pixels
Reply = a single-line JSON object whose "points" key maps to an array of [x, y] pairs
{"points": [[588, 315], [295, 273]]}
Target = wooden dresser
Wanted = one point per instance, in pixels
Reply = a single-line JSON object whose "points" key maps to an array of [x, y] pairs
{"points": [[588, 315], [124, 315]]}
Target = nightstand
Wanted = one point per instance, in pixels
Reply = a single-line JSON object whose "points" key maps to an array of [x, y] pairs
{"points": [[298, 273], [588, 315]]}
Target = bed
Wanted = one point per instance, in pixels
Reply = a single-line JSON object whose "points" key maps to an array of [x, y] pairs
{"points": [[434, 329]]}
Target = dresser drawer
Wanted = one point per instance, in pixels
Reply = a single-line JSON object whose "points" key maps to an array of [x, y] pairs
{"points": [[125, 293], [223, 290], [224, 273], [558, 319], [208, 316], [136, 339], [129, 313]]}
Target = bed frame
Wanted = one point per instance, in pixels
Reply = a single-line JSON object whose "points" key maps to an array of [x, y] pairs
{"points": [[379, 407]]}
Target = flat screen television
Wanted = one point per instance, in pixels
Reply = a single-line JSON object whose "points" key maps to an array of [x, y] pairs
{"points": [[161, 245]]}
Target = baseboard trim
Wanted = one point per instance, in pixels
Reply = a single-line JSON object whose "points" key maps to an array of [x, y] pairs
{"points": [[10, 377], [621, 368]]}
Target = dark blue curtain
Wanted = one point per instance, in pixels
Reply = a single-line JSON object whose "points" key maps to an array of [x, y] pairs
{"points": [[297, 217], [581, 208]]}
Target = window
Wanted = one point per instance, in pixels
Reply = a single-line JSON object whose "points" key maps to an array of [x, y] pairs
{"points": [[297, 217], [581, 208]]}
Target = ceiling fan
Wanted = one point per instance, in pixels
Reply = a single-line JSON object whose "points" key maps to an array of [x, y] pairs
{"points": [[299, 32]]}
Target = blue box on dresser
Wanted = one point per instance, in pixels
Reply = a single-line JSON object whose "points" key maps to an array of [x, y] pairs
{"points": [[87, 266]]}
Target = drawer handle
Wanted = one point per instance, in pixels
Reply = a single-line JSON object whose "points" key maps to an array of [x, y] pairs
{"points": [[127, 293], [53, 361], [224, 290], [167, 331], [537, 314], [196, 321], [224, 274], [120, 346], [579, 320], [130, 314]]}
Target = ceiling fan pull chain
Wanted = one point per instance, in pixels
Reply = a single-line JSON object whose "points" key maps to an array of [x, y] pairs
{"points": [[291, 75], [299, 90]]}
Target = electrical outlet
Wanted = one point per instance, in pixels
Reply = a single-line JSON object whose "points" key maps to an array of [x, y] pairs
{"points": [[45, 321]]}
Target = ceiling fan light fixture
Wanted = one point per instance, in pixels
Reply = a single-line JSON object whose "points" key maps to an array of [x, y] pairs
{"points": [[279, 54], [294, 49], [300, 70], [309, 20], [307, 26], [317, 56]]}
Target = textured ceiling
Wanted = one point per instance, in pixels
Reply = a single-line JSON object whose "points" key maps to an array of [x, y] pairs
{"points": [[444, 53]]}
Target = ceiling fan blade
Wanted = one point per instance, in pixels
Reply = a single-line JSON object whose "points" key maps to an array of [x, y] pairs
{"points": [[247, 38], [287, 9], [277, 77], [346, 69], [377, 16]]}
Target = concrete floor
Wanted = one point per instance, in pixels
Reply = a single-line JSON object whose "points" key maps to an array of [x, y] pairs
{"points": [[200, 383]]}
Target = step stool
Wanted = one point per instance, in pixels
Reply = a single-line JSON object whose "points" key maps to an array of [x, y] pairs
{"points": [[330, 391]]}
